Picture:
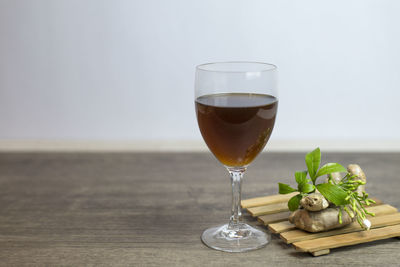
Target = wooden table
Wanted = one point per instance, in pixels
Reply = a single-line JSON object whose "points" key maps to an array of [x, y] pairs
{"points": [[149, 209]]}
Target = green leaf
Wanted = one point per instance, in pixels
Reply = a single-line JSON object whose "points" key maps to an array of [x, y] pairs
{"points": [[333, 193], [294, 202], [313, 159], [285, 189], [301, 177], [330, 168], [306, 188]]}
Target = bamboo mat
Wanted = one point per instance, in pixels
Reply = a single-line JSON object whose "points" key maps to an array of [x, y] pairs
{"points": [[272, 212]]}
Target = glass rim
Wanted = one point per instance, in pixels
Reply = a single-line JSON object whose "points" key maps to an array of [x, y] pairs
{"points": [[267, 66]]}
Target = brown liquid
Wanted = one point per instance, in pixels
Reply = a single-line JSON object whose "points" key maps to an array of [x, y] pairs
{"points": [[236, 127]]}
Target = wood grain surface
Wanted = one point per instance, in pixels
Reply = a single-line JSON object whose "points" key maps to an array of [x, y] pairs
{"points": [[149, 209]]}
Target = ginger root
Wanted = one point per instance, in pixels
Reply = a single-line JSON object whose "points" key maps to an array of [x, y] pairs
{"points": [[336, 177], [355, 169], [314, 202], [324, 206], [318, 221]]}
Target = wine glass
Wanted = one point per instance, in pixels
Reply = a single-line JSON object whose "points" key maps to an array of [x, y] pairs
{"points": [[236, 105]]}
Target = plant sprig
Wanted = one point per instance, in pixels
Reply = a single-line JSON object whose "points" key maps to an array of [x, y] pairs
{"points": [[357, 203], [313, 160], [342, 194]]}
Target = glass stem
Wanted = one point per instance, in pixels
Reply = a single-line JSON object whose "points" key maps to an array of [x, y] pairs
{"points": [[236, 175]]}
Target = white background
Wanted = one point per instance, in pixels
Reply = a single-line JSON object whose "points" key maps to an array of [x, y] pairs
{"points": [[124, 70]]}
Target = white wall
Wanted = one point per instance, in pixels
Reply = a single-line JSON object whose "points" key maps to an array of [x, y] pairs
{"points": [[124, 70]]}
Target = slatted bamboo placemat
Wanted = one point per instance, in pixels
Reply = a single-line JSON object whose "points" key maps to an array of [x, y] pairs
{"points": [[272, 211]]}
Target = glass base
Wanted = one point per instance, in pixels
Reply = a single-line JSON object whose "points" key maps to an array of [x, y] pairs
{"points": [[242, 238]]}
